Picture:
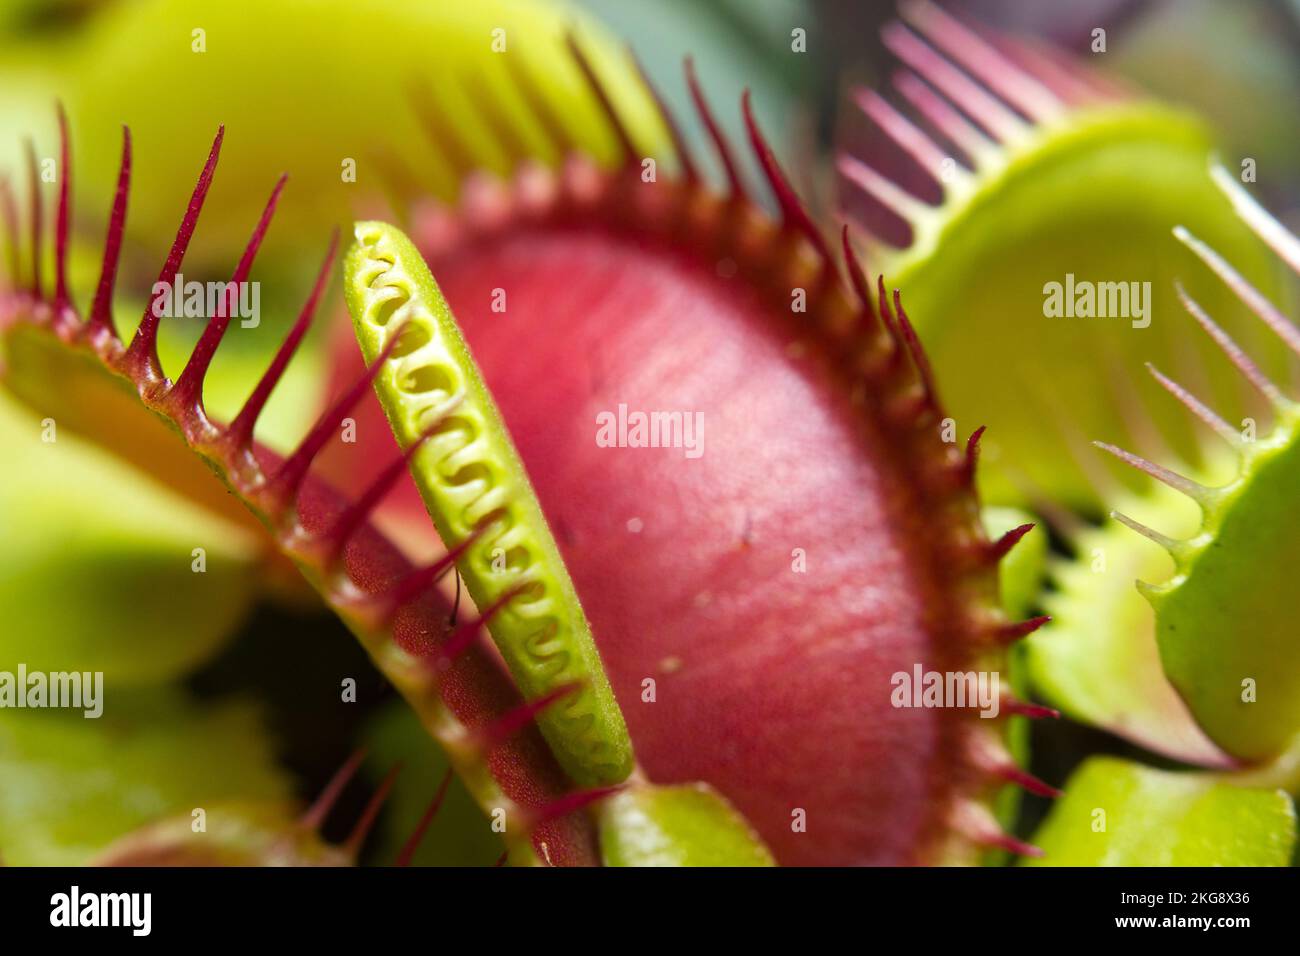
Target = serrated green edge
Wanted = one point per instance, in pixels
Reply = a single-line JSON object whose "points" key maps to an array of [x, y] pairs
{"points": [[1226, 615], [1097, 660]]}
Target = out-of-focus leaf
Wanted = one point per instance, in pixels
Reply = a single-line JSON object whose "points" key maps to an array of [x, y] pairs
{"points": [[72, 784], [688, 825], [316, 88], [1117, 813], [97, 563], [1020, 573]]}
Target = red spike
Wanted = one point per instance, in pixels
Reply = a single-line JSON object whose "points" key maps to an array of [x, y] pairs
{"points": [[570, 803], [793, 211], [240, 433], [371, 813], [382, 606], [284, 483], [602, 97], [1004, 841], [687, 161], [101, 310], [1022, 708], [919, 358], [501, 860], [315, 815], [882, 302], [355, 515], [62, 299], [142, 354], [720, 143], [501, 729], [1000, 548], [188, 390], [972, 453], [10, 213], [1027, 781], [34, 181], [413, 842], [1015, 630], [351, 519], [857, 278], [887, 321], [977, 824]]}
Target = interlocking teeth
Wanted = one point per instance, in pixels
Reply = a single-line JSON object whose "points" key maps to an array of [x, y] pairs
{"points": [[879, 187], [910, 137], [987, 110], [1017, 86], [979, 147]]}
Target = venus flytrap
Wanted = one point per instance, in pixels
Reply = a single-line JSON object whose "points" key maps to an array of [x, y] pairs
{"points": [[603, 269], [1224, 620], [1199, 661], [1039, 170], [868, 404], [640, 600]]}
